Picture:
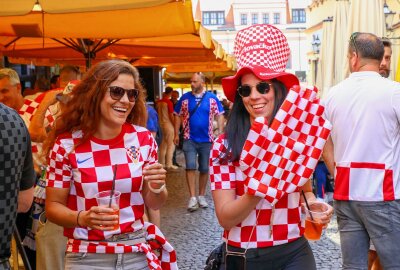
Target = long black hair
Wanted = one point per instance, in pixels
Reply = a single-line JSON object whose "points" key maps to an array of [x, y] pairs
{"points": [[238, 124]]}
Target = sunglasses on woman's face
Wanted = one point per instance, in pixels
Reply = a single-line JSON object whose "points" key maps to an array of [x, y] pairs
{"points": [[117, 93], [262, 88]]}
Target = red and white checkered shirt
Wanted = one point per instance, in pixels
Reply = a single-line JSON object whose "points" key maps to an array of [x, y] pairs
{"points": [[275, 225], [88, 169], [27, 111]]}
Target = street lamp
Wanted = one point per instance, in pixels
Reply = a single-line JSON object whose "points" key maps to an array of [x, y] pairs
{"points": [[389, 16], [315, 44]]}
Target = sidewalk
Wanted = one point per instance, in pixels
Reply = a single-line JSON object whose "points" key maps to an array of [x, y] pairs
{"points": [[195, 234]]}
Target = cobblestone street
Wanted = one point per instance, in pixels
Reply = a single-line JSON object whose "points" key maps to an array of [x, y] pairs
{"points": [[195, 234]]}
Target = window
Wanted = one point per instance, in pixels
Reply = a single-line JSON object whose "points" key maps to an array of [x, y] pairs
{"points": [[254, 18], [265, 18], [277, 18], [298, 16], [213, 18], [221, 18], [243, 19], [289, 62]]}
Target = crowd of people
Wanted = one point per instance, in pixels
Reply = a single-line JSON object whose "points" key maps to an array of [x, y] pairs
{"points": [[258, 148]]}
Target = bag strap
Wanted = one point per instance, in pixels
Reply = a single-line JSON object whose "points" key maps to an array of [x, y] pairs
{"points": [[251, 234]]}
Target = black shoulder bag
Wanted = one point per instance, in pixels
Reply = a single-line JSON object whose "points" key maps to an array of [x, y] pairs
{"points": [[181, 138]]}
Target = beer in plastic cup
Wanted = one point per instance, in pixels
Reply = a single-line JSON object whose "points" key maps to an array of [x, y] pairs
{"points": [[313, 226], [103, 199]]}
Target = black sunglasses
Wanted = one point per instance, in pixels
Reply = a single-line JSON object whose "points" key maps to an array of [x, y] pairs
{"points": [[117, 93], [353, 38], [262, 88]]}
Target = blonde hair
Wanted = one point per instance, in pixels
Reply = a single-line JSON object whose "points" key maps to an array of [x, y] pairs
{"points": [[11, 74]]}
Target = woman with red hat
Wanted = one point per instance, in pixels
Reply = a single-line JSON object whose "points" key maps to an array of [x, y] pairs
{"points": [[257, 234]]}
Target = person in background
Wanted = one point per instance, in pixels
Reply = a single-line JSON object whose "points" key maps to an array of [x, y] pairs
{"points": [[94, 147], [165, 111], [17, 177], [10, 95], [266, 230], [322, 181], [197, 110], [55, 82], [227, 107], [365, 108], [384, 70], [69, 73], [174, 99], [152, 120], [384, 67], [154, 216]]}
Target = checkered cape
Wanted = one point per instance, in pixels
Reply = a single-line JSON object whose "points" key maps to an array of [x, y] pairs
{"points": [[280, 158], [27, 111]]}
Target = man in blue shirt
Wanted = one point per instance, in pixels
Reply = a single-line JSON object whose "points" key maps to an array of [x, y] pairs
{"points": [[196, 111]]}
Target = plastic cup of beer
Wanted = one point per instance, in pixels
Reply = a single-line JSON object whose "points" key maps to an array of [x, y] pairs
{"points": [[106, 199], [314, 225]]}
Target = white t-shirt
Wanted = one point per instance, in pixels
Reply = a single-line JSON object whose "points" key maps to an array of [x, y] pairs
{"points": [[364, 110]]}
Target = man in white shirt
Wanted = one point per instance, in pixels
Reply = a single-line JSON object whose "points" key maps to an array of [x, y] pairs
{"points": [[364, 153]]}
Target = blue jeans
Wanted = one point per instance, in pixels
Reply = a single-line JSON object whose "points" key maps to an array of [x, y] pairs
{"points": [[193, 149], [361, 221], [100, 261]]}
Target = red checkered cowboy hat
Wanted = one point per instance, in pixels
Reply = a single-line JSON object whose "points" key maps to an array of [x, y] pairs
{"points": [[263, 50]]}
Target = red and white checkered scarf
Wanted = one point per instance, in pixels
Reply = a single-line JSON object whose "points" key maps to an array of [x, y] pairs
{"points": [[280, 158]]}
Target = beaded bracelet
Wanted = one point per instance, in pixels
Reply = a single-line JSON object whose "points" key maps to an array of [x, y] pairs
{"points": [[77, 218]]}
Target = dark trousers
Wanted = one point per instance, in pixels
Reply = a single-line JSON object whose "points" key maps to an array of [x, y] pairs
{"points": [[4, 264], [21, 222], [296, 255]]}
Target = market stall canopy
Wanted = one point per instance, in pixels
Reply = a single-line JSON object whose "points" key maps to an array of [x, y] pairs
{"points": [[95, 19], [146, 33]]}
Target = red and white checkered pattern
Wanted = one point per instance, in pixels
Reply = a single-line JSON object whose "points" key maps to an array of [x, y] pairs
{"points": [[27, 111], [213, 112], [350, 181], [276, 225], [165, 261], [262, 45], [88, 169], [263, 50], [280, 158], [185, 119]]}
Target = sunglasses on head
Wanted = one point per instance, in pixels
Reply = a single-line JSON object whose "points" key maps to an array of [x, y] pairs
{"points": [[353, 38], [262, 88], [117, 93]]}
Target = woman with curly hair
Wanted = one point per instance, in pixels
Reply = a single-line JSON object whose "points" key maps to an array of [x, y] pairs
{"points": [[99, 141]]}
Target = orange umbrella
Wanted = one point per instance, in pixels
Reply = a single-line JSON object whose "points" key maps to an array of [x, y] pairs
{"points": [[146, 32]]}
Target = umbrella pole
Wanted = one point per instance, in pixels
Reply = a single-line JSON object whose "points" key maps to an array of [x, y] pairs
{"points": [[88, 61]]}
